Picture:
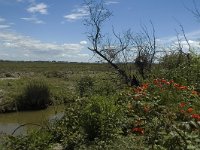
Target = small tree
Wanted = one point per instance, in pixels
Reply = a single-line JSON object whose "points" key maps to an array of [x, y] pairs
{"points": [[124, 50]]}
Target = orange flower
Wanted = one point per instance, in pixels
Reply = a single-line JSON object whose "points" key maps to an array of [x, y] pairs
{"points": [[194, 93], [190, 110], [145, 86]]}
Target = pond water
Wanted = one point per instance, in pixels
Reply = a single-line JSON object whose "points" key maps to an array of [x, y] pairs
{"points": [[10, 121]]}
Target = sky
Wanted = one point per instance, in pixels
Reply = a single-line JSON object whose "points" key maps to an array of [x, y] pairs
{"points": [[48, 30]]}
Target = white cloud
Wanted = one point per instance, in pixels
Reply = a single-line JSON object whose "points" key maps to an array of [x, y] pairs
{"points": [[77, 14], [84, 55], [111, 2], [15, 46], [4, 26], [34, 20], [38, 8], [190, 36], [2, 20], [83, 42]]}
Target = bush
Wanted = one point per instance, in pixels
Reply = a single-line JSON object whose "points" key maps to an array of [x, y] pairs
{"points": [[85, 86], [165, 114], [181, 69], [36, 95], [101, 118], [35, 140], [105, 88]]}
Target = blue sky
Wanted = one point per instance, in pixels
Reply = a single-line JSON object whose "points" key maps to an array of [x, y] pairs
{"points": [[54, 30]]}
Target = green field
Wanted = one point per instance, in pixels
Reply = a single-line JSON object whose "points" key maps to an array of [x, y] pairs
{"points": [[100, 111], [61, 78]]}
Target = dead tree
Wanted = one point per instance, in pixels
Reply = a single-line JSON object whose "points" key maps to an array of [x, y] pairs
{"points": [[195, 10], [98, 14], [145, 46]]}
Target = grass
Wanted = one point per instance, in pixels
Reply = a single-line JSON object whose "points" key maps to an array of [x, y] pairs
{"points": [[162, 113], [61, 78]]}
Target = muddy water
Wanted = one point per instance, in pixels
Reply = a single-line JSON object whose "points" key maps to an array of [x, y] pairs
{"points": [[10, 121]]}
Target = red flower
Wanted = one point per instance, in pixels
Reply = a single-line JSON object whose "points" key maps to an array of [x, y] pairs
{"points": [[182, 104], [163, 81], [145, 86], [155, 81], [196, 116], [138, 130], [168, 83], [190, 110], [182, 111], [183, 88], [176, 85]]}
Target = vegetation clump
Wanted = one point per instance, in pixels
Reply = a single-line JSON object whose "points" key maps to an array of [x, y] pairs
{"points": [[36, 95]]}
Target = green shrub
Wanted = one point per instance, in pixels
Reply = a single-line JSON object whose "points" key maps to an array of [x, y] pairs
{"points": [[105, 87], [182, 69], [36, 95], [67, 130], [101, 118], [165, 114], [35, 140], [85, 86]]}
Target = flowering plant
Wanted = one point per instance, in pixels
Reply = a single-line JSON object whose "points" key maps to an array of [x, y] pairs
{"points": [[160, 107]]}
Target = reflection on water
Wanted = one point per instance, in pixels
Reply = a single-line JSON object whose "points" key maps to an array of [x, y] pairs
{"points": [[10, 121], [8, 128]]}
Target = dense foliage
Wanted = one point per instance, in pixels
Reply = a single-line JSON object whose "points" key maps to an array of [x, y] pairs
{"points": [[162, 113]]}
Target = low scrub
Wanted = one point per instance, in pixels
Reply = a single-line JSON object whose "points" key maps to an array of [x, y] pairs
{"points": [[36, 95], [100, 118], [85, 86]]}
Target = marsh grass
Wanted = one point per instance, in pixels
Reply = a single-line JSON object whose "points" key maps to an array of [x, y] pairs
{"points": [[36, 95]]}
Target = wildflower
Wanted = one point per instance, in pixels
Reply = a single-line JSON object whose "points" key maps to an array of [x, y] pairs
{"points": [[183, 88], [194, 93], [163, 81], [176, 85], [145, 86], [138, 130], [171, 81], [182, 104], [190, 110], [182, 111], [196, 116], [155, 81], [168, 83]]}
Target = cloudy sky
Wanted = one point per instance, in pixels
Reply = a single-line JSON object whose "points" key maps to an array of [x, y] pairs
{"points": [[54, 30]]}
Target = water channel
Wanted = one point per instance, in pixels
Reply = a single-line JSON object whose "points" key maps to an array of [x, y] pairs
{"points": [[10, 121]]}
